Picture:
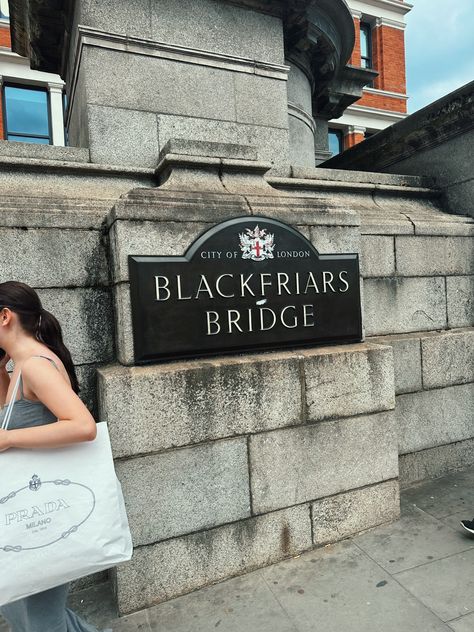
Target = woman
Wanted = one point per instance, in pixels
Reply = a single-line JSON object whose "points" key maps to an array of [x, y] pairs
{"points": [[47, 414]]}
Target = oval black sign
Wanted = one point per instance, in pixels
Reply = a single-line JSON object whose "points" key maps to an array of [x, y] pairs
{"points": [[249, 283]]}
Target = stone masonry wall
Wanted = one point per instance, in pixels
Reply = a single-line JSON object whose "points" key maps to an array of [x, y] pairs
{"points": [[230, 464]]}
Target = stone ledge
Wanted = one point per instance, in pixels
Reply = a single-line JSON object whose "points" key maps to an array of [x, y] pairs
{"points": [[15, 149]]}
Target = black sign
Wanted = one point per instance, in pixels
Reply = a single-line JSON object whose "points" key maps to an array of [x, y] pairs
{"points": [[249, 283]]}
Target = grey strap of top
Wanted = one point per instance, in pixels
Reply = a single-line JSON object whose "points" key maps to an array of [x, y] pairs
{"points": [[11, 403]]}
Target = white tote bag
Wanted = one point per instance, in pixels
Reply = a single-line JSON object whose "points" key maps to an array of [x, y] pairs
{"points": [[62, 515]]}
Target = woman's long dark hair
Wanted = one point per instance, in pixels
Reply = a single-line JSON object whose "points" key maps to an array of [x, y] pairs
{"points": [[25, 302]]}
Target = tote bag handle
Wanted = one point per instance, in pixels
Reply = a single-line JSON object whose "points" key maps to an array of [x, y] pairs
{"points": [[8, 414]]}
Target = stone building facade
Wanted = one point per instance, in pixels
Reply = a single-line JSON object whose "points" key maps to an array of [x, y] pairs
{"points": [[184, 119]]}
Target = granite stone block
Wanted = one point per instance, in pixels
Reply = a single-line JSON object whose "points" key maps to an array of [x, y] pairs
{"points": [[401, 305], [133, 18], [432, 418], [436, 462], [348, 380], [346, 514], [149, 238], [178, 492], [430, 256], [123, 323], [336, 239], [182, 403], [296, 465], [158, 85], [122, 137], [377, 256], [220, 28], [53, 258], [460, 295], [261, 100], [406, 360], [448, 359], [177, 566], [271, 144], [87, 377], [301, 143], [86, 318]]}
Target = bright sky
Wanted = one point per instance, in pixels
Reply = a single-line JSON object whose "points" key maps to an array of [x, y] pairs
{"points": [[439, 49]]}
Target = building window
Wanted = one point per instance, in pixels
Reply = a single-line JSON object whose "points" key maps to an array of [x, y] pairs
{"points": [[366, 45], [336, 141], [4, 10], [26, 114]]}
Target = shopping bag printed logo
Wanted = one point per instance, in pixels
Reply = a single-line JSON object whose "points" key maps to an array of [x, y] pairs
{"points": [[42, 513]]}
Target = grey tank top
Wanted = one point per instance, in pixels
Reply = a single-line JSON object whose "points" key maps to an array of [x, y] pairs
{"points": [[27, 413]]}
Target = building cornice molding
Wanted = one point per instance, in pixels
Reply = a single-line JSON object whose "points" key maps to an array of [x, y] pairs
{"points": [[394, 6], [387, 93], [393, 24], [394, 116]]}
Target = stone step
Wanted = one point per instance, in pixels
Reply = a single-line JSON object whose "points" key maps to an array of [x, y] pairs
{"points": [[351, 177]]}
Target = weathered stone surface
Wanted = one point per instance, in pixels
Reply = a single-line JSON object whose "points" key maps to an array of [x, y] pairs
{"points": [[460, 295], [435, 462], [43, 152], [431, 418], [448, 359], [336, 239], [174, 567], [271, 143], [400, 305], [123, 324], [181, 403], [377, 256], [301, 142], [53, 258], [133, 18], [219, 27], [158, 85], [298, 464], [87, 376], [149, 238], [406, 360], [209, 149], [187, 490], [348, 380], [430, 256], [341, 516], [85, 315], [261, 100], [123, 137]]}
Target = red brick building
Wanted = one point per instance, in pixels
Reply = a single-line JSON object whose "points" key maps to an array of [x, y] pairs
{"points": [[380, 45]]}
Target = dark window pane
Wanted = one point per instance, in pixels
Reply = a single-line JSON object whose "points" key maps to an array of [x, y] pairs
{"points": [[366, 45], [29, 139], [335, 141], [27, 111]]}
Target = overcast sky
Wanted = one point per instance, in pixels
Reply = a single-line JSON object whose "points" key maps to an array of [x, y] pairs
{"points": [[439, 49]]}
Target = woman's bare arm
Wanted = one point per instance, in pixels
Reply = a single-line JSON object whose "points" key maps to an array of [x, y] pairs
{"points": [[75, 423]]}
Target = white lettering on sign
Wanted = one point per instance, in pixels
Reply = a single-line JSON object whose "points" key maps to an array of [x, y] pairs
{"points": [[232, 320]]}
